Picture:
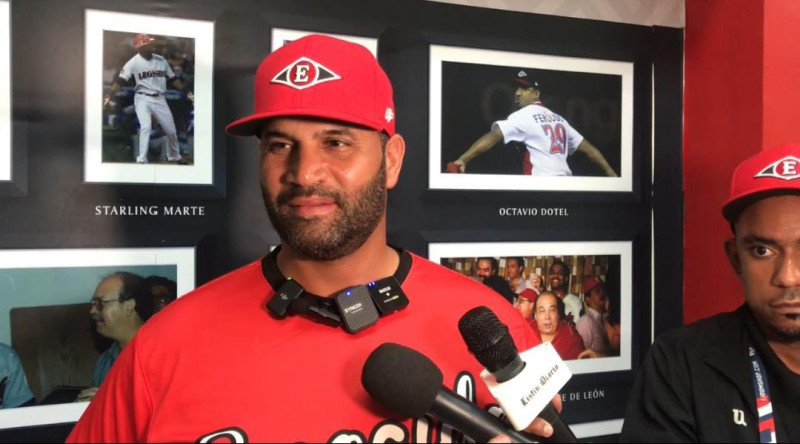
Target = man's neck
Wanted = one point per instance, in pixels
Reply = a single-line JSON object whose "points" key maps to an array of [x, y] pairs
{"points": [[788, 353], [127, 335], [372, 261], [547, 338], [561, 293]]}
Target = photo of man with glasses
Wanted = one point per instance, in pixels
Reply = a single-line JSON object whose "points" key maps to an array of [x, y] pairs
{"points": [[120, 306]]}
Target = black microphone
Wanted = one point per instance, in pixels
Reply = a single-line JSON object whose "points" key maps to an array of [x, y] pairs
{"points": [[410, 385], [489, 340]]}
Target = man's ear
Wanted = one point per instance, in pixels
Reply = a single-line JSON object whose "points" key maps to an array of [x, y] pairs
{"points": [[130, 306], [395, 151], [733, 255]]}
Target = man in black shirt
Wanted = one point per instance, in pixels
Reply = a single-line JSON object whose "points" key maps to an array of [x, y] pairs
{"points": [[735, 377]]}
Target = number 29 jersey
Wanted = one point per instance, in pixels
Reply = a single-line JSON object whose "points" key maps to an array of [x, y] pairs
{"points": [[548, 137]]}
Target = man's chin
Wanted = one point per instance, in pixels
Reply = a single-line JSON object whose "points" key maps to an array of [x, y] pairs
{"points": [[788, 331]]}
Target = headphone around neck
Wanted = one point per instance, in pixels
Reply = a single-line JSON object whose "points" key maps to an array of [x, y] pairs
{"points": [[355, 308]]}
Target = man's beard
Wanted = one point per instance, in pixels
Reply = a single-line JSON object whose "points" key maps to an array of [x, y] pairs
{"points": [[790, 334], [358, 216]]}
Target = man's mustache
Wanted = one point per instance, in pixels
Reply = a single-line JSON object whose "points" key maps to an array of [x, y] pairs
{"points": [[313, 191], [788, 295]]}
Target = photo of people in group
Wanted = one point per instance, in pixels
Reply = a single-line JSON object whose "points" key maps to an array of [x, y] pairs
{"points": [[571, 301]]}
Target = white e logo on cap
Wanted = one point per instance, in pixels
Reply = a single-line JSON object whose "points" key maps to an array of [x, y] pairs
{"points": [[301, 73], [785, 169], [304, 73]]}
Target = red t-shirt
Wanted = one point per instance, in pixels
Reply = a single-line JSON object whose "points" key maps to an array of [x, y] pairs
{"points": [[215, 365], [566, 340]]}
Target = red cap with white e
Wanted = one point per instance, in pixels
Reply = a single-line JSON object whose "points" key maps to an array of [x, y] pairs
{"points": [[769, 173], [321, 76]]}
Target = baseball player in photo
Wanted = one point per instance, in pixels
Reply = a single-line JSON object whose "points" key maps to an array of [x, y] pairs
{"points": [[548, 137], [151, 73]]}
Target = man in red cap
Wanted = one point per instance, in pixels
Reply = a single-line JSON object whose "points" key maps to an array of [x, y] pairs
{"points": [[735, 377], [591, 326], [240, 359]]}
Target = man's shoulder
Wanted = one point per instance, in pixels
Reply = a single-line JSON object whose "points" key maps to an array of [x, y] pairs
{"points": [[441, 285], [526, 112], [160, 59], [242, 277], [425, 270], [131, 61], [229, 290], [703, 334], [585, 319]]}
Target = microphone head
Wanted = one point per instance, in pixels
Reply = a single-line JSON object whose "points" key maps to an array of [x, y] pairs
{"points": [[487, 338], [403, 380]]}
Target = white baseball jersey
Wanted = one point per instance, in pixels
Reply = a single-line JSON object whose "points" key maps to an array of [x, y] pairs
{"points": [[548, 137], [150, 75]]}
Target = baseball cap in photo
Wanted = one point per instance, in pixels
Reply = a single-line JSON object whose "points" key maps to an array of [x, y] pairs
{"points": [[522, 78], [769, 173], [589, 282], [141, 40], [320, 76]]}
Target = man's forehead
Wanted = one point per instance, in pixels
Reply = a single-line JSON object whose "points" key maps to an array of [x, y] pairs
{"points": [[108, 285], [545, 299], [319, 125], [770, 217]]}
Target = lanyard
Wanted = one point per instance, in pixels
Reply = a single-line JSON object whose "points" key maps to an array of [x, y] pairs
{"points": [[766, 419]]}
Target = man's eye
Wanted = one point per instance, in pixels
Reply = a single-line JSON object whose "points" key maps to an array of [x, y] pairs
{"points": [[276, 147], [336, 143], [761, 251]]}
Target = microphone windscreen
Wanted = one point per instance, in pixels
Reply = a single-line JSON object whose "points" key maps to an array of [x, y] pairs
{"points": [[487, 338], [403, 380]]}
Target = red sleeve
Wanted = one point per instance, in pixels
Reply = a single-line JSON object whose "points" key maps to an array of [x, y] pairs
{"points": [[524, 336], [120, 411]]}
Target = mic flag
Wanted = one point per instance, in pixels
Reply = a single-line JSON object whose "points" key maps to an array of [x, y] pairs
{"points": [[523, 384]]}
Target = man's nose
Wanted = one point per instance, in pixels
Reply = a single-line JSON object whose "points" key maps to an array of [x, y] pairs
{"points": [[307, 166], [787, 273]]}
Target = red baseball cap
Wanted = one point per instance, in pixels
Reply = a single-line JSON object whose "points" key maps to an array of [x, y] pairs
{"points": [[769, 173], [320, 76], [589, 282], [141, 40]]}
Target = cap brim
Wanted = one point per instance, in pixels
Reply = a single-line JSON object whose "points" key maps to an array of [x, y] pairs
{"points": [[522, 82], [734, 207], [251, 125]]}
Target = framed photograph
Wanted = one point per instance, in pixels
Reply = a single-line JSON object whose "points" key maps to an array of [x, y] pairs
{"points": [[597, 428], [282, 36], [550, 123], [51, 334], [148, 99], [589, 283], [5, 91]]}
